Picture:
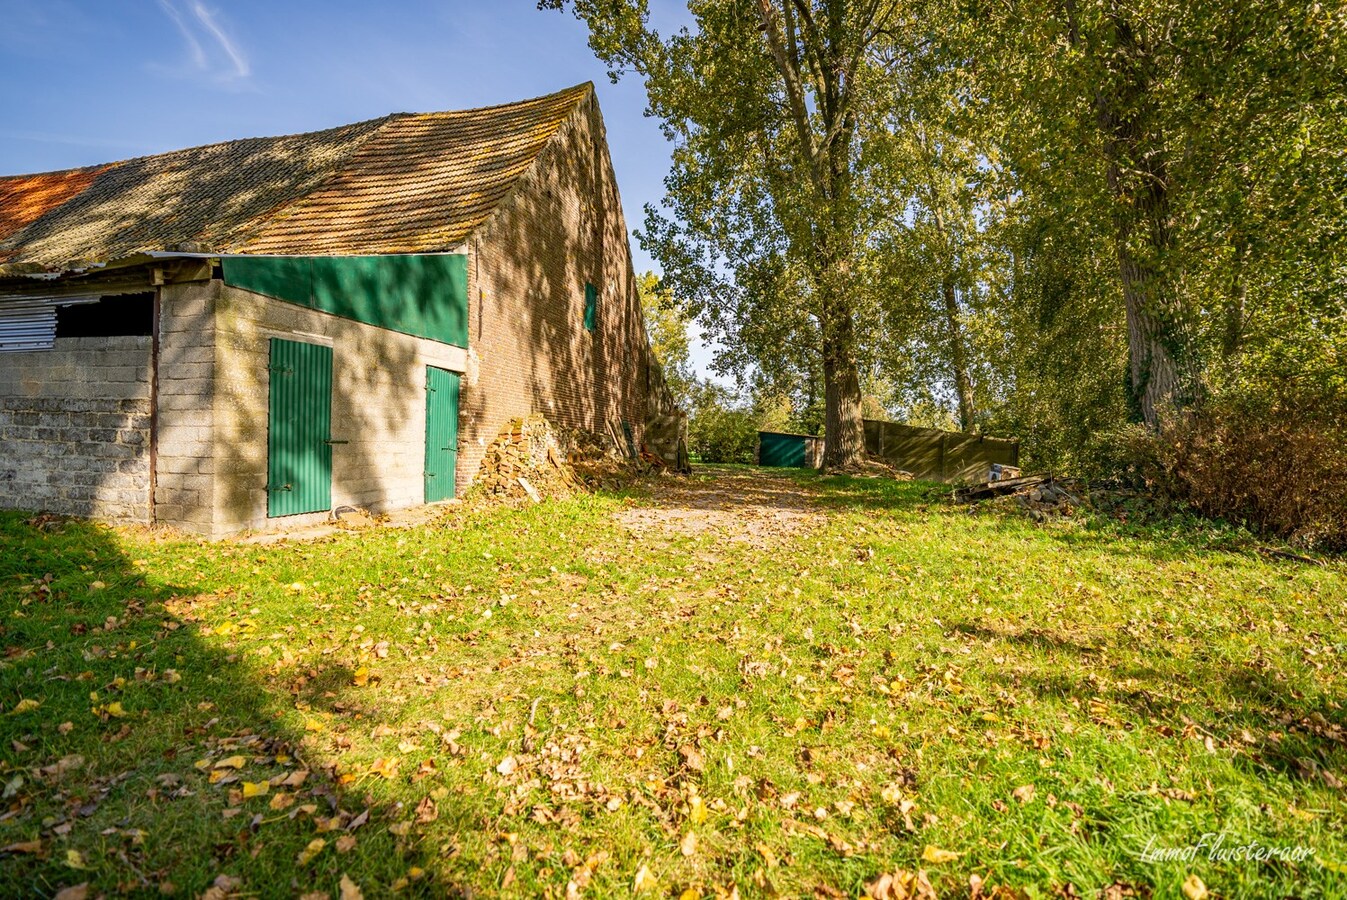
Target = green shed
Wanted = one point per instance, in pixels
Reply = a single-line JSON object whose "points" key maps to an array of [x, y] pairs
{"points": [[783, 450]]}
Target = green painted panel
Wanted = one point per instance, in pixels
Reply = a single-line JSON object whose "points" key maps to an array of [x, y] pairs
{"points": [[784, 450], [441, 433], [299, 428], [425, 295], [591, 306]]}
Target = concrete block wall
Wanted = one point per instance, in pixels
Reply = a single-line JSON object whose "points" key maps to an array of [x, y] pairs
{"points": [[75, 428], [378, 407], [186, 450], [561, 227]]}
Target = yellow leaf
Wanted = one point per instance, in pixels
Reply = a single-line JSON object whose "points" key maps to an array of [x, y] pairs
{"points": [[645, 881], [385, 766], [360, 677], [690, 894], [697, 811], [933, 854], [349, 889], [25, 705], [232, 762], [1194, 889], [308, 853], [255, 789], [115, 710], [74, 859]]}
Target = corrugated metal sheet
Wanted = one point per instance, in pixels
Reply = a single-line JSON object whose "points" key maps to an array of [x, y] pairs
{"points": [[441, 433], [299, 428], [30, 324]]}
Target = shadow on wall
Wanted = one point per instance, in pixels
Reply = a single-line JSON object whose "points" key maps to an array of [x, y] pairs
{"points": [[124, 789], [562, 229], [378, 404]]}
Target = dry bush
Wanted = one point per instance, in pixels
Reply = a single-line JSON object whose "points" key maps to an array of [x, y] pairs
{"points": [[1273, 469]]}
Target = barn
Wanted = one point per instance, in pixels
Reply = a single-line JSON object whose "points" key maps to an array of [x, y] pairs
{"points": [[255, 333]]}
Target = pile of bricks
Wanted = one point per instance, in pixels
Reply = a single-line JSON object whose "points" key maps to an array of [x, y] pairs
{"points": [[531, 459]]}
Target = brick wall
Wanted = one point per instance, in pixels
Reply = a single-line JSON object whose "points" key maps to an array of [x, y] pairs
{"points": [[561, 227], [75, 426]]}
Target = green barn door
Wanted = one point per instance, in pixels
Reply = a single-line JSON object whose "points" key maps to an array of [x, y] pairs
{"points": [[299, 429], [441, 433]]}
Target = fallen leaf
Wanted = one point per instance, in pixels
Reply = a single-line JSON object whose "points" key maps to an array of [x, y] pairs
{"points": [[345, 843], [74, 892], [385, 766], [645, 881], [255, 789], [349, 889], [1194, 889], [360, 677], [232, 762], [933, 854], [27, 704], [1024, 793], [507, 765], [23, 847], [426, 811], [688, 845], [74, 859], [902, 885], [313, 849]]}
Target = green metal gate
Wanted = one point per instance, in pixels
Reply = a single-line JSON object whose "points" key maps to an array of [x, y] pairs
{"points": [[441, 433], [299, 429]]}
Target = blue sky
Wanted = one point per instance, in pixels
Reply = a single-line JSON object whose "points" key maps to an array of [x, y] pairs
{"points": [[91, 82]]}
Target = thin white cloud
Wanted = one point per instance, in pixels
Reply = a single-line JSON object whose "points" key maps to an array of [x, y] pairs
{"points": [[207, 19], [210, 47], [193, 45]]}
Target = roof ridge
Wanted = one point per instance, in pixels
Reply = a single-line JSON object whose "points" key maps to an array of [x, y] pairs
{"points": [[575, 95], [211, 146], [586, 86]]}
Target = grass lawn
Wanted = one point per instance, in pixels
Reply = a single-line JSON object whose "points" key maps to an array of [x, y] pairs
{"points": [[738, 682]]}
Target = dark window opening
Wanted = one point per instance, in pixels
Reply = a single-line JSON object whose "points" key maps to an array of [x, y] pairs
{"points": [[122, 315]]}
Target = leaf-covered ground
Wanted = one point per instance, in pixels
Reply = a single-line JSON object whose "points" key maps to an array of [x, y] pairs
{"points": [[736, 683]]}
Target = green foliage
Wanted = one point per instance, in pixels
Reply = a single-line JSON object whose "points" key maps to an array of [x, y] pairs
{"points": [[666, 327], [721, 430]]}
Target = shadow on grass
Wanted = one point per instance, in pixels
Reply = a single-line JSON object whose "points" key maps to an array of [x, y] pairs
{"points": [[1253, 710], [108, 779]]}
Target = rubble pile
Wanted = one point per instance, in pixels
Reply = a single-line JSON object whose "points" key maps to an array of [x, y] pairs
{"points": [[532, 459], [1046, 496]]}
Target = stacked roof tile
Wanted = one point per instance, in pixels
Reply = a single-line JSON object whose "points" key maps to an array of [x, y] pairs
{"points": [[405, 183]]}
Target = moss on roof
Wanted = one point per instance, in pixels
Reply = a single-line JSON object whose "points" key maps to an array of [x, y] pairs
{"points": [[405, 183]]}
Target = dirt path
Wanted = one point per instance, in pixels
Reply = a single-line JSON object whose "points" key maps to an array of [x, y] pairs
{"points": [[758, 508]]}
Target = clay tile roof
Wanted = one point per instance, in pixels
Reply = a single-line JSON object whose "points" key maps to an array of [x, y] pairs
{"points": [[409, 182]]}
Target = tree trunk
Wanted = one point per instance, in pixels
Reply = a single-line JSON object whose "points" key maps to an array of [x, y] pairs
{"points": [[844, 432], [1163, 365], [963, 383], [1163, 368]]}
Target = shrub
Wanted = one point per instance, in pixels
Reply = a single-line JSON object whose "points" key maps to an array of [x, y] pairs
{"points": [[1276, 469], [720, 434]]}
